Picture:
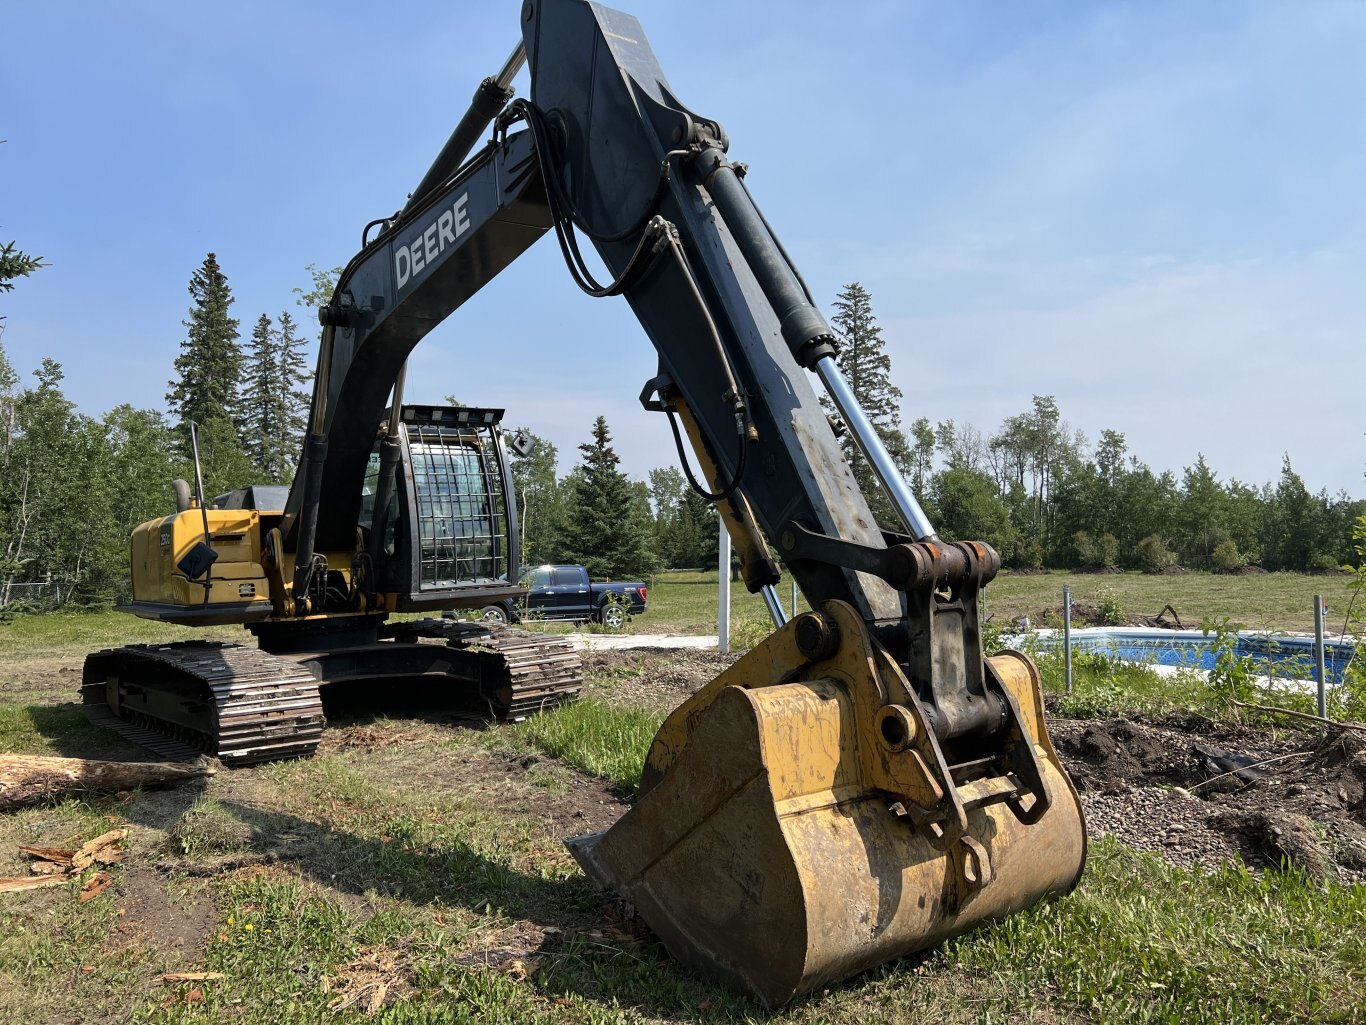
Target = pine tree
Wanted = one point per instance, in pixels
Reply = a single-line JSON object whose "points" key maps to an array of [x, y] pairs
{"points": [[608, 527], [16, 264], [868, 369], [210, 362]]}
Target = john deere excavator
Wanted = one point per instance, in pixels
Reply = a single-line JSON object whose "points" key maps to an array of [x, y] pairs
{"points": [[861, 784]]}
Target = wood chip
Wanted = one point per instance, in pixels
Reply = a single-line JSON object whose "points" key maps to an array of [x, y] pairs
{"points": [[85, 857], [47, 868], [95, 885], [171, 978], [11, 884]]}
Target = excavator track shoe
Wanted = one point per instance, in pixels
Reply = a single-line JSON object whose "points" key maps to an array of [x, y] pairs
{"points": [[521, 672], [761, 855], [201, 697]]}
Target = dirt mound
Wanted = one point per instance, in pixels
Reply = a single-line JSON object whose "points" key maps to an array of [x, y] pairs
{"points": [[1199, 793], [1119, 751], [652, 676]]}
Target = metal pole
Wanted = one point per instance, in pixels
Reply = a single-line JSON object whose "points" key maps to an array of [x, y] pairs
{"points": [[1067, 636], [1319, 655], [723, 593]]}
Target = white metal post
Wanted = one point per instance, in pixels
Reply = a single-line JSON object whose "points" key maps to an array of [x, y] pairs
{"points": [[723, 592], [1318, 656], [1067, 636]]}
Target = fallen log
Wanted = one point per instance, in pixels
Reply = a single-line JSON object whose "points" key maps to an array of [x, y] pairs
{"points": [[31, 779]]}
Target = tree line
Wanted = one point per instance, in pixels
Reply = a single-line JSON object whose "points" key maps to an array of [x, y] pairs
{"points": [[72, 487], [1038, 492]]}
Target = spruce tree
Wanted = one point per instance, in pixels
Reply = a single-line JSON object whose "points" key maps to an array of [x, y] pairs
{"points": [[295, 374], [209, 366], [868, 369], [263, 406], [15, 264], [608, 528]]}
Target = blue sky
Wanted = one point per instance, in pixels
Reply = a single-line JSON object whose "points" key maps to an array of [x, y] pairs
{"points": [[1153, 211]]}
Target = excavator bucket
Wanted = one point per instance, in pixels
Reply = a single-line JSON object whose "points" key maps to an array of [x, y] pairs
{"points": [[799, 822]]}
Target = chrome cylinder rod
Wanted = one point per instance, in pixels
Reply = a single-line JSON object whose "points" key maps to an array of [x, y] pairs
{"points": [[866, 438], [513, 65], [775, 605]]}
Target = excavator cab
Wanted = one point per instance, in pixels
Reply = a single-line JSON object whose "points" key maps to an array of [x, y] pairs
{"points": [[444, 536]]}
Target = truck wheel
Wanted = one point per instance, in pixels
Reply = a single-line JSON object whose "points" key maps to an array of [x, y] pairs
{"points": [[612, 617], [494, 614]]}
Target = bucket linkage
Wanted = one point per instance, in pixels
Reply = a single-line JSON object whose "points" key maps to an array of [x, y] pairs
{"points": [[823, 806]]}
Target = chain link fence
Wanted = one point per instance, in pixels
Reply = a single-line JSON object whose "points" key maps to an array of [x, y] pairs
{"points": [[42, 595]]}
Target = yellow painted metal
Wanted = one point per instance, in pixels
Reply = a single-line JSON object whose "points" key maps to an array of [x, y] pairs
{"points": [[756, 562], [238, 577], [245, 581], [785, 839]]}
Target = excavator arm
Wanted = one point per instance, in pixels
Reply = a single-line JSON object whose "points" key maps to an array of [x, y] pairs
{"points": [[864, 782]]}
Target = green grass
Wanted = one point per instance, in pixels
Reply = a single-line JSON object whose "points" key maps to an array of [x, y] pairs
{"points": [[603, 740], [49, 730], [67, 633], [1142, 941], [424, 875], [371, 854], [1261, 601], [685, 602]]}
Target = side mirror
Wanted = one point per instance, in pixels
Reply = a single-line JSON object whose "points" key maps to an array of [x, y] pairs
{"points": [[522, 443]]}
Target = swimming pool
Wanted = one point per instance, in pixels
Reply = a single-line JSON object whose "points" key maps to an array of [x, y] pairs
{"points": [[1276, 655]]}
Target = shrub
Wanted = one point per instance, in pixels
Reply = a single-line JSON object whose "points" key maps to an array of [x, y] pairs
{"points": [[1110, 609], [1226, 558], [1233, 675], [1153, 555], [1102, 552]]}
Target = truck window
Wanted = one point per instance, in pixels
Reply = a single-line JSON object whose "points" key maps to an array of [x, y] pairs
{"points": [[537, 578], [568, 576]]}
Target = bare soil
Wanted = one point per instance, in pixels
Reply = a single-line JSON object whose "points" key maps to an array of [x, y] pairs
{"points": [[652, 676], [1158, 786], [1176, 788]]}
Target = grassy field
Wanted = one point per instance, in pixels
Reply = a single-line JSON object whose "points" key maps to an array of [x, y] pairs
{"points": [[1262, 601], [413, 871], [686, 603]]}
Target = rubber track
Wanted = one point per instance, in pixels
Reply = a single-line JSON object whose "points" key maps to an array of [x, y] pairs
{"points": [[267, 708]]}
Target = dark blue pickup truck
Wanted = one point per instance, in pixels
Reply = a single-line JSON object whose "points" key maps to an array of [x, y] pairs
{"points": [[565, 592]]}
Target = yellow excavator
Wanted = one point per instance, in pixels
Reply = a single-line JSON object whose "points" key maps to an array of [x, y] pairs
{"points": [[863, 783]]}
